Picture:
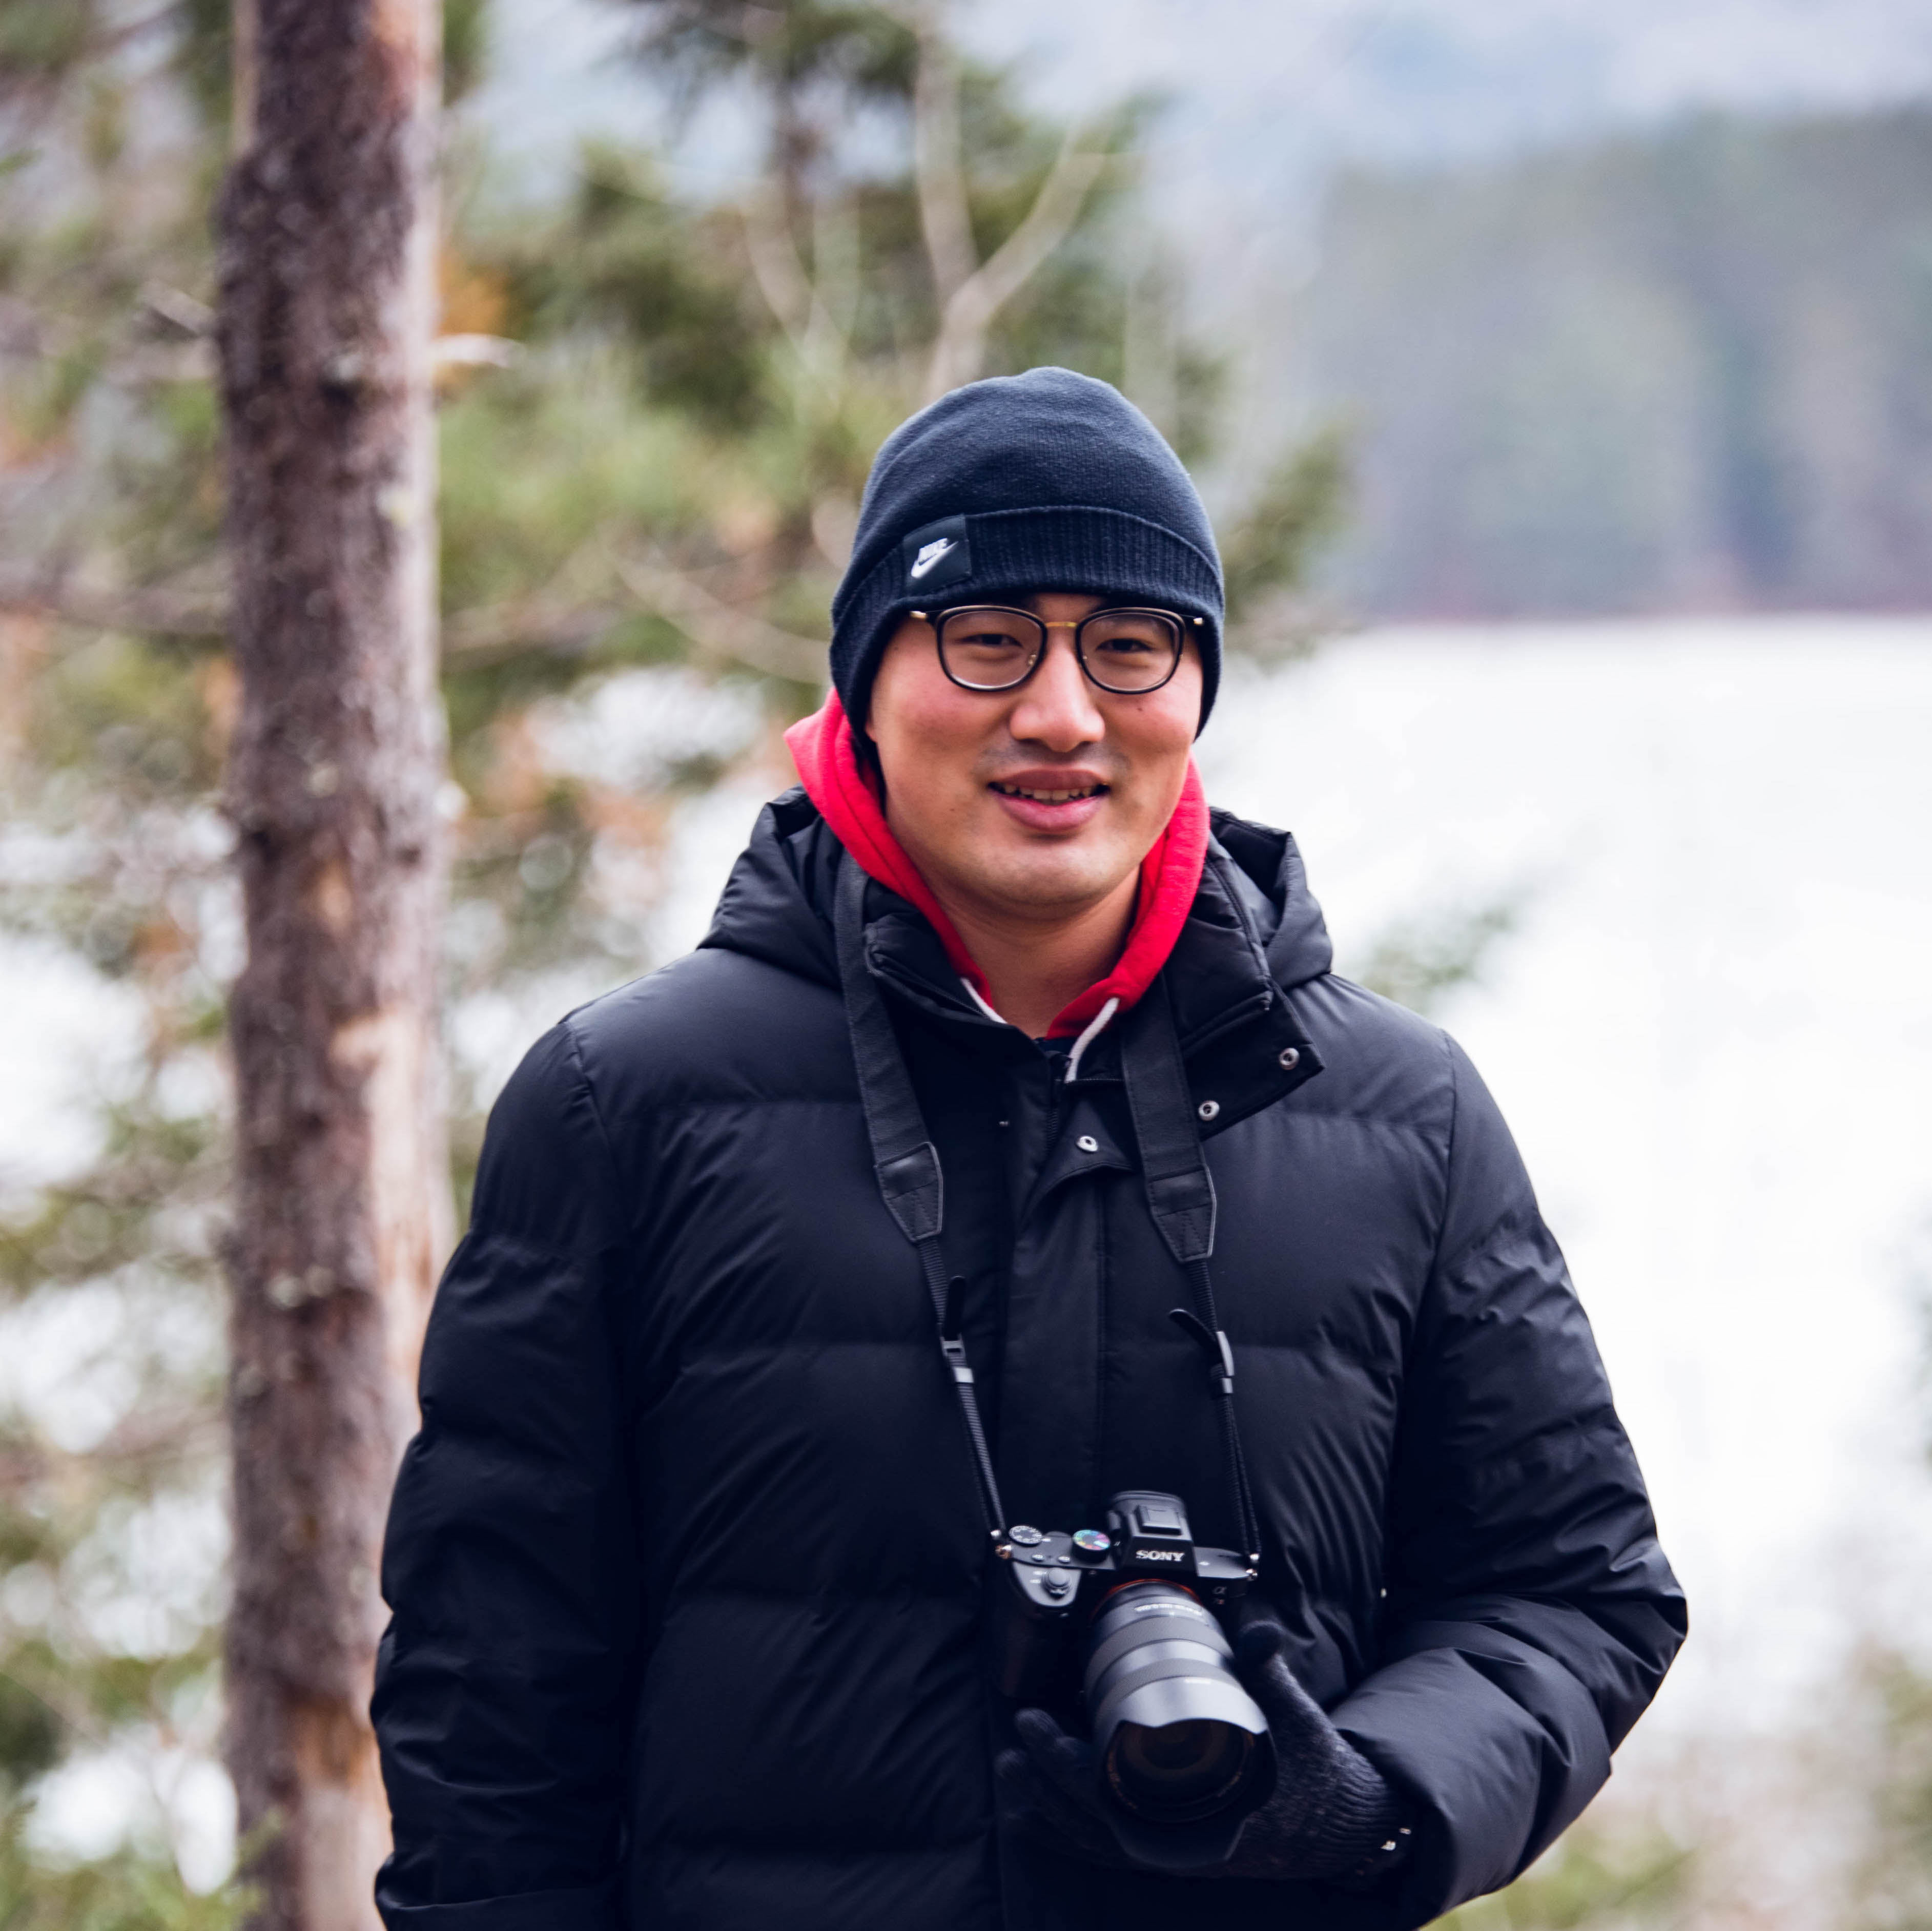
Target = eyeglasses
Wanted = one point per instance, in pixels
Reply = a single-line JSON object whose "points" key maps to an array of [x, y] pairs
{"points": [[989, 647]]}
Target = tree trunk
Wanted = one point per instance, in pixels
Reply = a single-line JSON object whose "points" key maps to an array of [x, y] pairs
{"points": [[327, 262]]}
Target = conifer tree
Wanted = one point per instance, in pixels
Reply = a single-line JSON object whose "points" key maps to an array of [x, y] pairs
{"points": [[327, 271]]}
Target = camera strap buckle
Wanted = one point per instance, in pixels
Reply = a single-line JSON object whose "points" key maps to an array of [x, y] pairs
{"points": [[1214, 1346], [951, 1342]]}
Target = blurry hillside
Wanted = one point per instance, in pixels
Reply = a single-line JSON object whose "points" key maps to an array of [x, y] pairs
{"points": [[1691, 370]]}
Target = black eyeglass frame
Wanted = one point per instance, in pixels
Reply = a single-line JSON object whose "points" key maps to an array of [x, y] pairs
{"points": [[939, 619]]}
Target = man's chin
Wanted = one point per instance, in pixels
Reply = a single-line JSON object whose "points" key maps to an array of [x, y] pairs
{"points": [[1041, 877]]}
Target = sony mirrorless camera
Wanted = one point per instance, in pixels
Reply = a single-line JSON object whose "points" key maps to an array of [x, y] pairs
{"points": [[1182, 1752]]}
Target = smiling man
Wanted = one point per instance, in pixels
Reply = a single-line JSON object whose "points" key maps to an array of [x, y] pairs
{"points": [[999, 1392]]}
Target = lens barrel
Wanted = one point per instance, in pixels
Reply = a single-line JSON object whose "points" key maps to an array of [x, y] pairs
{"points": [[1179, 1740]]}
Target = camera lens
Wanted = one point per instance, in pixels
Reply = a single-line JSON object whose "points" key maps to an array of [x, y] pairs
{"points": [[1180, 1771], [1179, 1738]]}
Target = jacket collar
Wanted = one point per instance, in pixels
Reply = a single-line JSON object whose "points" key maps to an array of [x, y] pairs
{"points": [[1253, 933]]}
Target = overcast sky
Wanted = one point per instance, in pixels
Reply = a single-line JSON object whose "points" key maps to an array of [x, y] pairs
{"points": [[1262, 87], [1424, 78]]}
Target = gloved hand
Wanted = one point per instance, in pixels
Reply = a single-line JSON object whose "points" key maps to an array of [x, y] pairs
{"points": [[1333, 1817]]}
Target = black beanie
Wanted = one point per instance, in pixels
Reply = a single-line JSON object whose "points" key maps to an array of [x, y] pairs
{"points": [[1047, 480]]}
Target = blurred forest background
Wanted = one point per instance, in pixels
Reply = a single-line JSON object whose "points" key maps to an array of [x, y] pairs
{"points": [[1685, 372], [657, 417], [658, 406]]}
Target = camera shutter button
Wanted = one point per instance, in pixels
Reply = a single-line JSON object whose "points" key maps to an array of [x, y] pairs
{"points": [[1057, 1585]]}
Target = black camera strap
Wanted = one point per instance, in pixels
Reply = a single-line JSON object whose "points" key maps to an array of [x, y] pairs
{"points": [[1181, 1198], [1180, 1189], [905, 1160]]}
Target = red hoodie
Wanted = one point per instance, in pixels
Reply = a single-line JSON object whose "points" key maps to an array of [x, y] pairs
{"points": [[847, 798]]}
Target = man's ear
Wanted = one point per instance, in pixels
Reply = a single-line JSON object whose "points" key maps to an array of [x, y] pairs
{"points": [[867, 752]]}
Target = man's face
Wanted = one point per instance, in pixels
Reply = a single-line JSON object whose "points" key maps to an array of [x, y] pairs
{"points": [[965, 770]]}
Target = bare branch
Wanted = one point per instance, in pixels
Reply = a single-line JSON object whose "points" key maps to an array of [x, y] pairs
{"points": [[945, 213], [959, 352], [555, 620], [474, 351], [162, 362], [815, 314], [775, 266], [720, 630], [493, 632], [176, 305], [571, 611], [159, 612], [835, 288]]}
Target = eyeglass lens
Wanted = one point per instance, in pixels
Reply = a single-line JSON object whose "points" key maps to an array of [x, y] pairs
{"points": [[988, 649]]}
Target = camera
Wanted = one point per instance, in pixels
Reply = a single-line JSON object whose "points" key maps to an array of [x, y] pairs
{"points": [[1182, 1751]]}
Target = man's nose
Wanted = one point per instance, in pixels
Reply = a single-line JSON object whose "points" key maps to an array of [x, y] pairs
{"points": [[1056, 707]]}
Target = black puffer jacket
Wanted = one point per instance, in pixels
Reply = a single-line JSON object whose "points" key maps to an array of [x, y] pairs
{"points": [[685, 1562]]}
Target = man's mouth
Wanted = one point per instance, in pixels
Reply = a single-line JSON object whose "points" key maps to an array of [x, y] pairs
{"points": [[1043, 797]]}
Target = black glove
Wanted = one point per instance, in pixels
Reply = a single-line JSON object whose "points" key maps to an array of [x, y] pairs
{"points": [[1333, 1817]]}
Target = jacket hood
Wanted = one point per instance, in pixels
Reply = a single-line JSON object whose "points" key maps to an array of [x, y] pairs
{"points": [[1264, 867]]}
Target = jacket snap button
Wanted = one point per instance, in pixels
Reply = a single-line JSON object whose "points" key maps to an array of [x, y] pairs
{"points": [[1291, 1058], [1087, 1143], [1209, 1108]]}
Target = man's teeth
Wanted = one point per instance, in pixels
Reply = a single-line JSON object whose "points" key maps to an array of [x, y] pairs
{"points": [[1046, 797]]}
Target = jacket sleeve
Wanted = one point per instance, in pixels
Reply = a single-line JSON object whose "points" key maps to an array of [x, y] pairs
{"points": [[1530, 1614], [503, 1681]]}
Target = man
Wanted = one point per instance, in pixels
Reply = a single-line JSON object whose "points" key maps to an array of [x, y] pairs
{"points": [[1000, 1035]]}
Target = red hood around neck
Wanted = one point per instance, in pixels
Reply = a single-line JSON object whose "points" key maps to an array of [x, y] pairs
{"points": [[847, 799]]}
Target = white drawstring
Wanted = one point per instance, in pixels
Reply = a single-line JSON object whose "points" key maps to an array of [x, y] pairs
{"points": [[1095, 1027], [978, 1001]]}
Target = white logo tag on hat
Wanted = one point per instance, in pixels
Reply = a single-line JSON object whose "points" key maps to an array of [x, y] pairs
{"points": [[936, 555]]}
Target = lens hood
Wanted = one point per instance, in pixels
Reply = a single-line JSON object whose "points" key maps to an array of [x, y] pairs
{"points": [[1184, 1751]]}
